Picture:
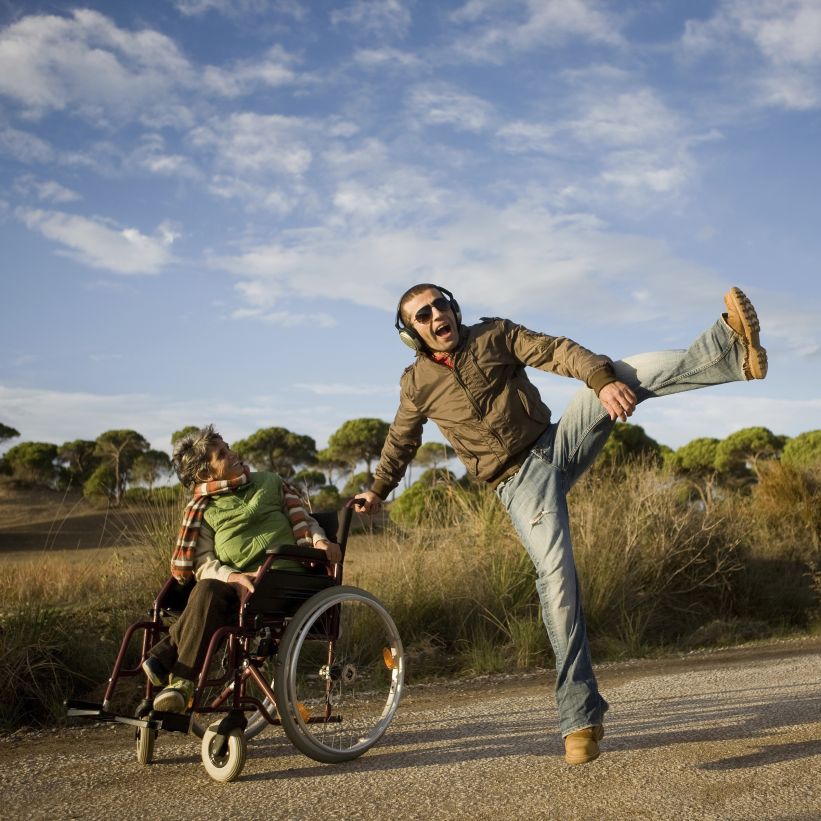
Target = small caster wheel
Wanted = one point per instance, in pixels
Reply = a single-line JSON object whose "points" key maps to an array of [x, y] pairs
{"points": [[223, 756], [145, 744]]}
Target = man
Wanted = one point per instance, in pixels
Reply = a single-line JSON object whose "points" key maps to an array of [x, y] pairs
{"points": [[233, 517], [471, 382]]}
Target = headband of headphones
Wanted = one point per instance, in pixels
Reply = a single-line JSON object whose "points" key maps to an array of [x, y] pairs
{"points": [[409, 336]]}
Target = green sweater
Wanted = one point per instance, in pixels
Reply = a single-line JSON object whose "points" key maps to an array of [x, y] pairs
{"points": [[249, 521]]}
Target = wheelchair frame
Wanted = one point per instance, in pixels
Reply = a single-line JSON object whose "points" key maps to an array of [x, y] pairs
{"points": [[335, 648]]}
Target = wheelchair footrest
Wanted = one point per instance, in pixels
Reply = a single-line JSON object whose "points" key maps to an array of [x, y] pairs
{"points": [[171, 722], [95, 712]]}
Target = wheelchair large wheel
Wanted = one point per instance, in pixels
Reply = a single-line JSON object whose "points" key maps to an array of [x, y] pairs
{"points": [[339, 674], [223, 758], [145, 738]]}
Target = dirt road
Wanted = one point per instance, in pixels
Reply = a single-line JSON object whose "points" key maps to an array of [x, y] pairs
{"points": [[725, 735]]}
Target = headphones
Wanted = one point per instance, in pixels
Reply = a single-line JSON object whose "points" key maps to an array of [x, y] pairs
{"points": [[409, 336]]}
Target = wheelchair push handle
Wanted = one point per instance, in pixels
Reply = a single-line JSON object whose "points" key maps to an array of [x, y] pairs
{"points": [[345, 520]]}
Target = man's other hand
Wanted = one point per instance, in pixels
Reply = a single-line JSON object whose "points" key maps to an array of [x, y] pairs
{"points": [[618, 400], [242, 581], [372, 503]]}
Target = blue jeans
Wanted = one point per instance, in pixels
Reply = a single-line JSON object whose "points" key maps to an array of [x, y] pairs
{"points": [[535, 498]]}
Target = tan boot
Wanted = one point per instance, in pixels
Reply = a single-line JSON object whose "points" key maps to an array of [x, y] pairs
{"points": [[742, 318], [583, 745]]}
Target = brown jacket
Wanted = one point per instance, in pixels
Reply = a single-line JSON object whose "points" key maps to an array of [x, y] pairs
{"points": [[485, 406]]}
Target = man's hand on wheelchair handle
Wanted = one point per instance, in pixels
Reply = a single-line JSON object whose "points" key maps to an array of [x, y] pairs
{"points": [[242, 581], [367, 502]]}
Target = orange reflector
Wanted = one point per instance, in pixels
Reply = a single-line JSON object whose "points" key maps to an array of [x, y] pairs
{"points": [[387, 657], [304, 712]]}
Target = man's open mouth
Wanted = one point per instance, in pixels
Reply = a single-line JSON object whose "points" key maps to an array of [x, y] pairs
{"points": [[442, 330]]}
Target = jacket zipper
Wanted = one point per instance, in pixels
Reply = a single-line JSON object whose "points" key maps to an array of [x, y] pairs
{"points": [[479, 416]]}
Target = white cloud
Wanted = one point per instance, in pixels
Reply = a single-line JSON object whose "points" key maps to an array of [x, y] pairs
{"points": [[387, 195], [526, 137], [45, 190], [641, 151], [542, 258], [24, 146], [781, 41], [240, 8], [151, 155], [380, 17], [101, 244], [250, 143], [286, 319], [442, 105], [274, 69], [60, 416], [345, 389], [641, 174], [496, 28], [381, 58], [633, 117], [253, 196], [86, 62]]}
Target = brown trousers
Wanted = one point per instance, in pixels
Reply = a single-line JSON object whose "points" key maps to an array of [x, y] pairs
{"points": [[211, 605]]}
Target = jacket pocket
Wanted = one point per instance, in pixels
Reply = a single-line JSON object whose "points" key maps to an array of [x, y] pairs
{"points": [[467, 457], [535, 410]]}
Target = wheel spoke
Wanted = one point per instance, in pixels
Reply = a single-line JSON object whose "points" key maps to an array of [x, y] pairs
{"points": [[343, 664]]}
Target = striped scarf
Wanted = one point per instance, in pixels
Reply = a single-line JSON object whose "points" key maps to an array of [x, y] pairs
{"points": [[182, 559]]}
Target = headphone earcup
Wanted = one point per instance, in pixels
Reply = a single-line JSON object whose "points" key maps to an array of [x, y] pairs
{"points": [[457, 311], [411, 339]]}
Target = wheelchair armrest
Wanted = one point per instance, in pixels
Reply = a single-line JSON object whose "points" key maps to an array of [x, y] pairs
{"points": [[292, 551]]}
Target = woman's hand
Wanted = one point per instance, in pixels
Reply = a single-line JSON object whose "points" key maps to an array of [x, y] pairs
{"points": [[333, 550], [242, 581]]}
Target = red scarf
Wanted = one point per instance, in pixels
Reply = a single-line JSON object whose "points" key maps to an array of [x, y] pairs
{"points": [[443, 358]]}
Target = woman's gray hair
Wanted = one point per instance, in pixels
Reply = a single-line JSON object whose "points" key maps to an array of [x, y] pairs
{"points": [[191, 455]]}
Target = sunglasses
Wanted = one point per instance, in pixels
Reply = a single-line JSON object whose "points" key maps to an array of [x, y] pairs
{"points": [[426, 311]]}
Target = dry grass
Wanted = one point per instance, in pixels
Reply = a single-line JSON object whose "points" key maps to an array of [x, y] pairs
{"points": [[656, 571]]}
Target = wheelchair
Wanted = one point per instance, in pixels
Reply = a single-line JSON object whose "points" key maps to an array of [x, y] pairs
{"points": [[321, 659]]}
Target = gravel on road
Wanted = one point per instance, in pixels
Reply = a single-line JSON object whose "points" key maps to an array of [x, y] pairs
{"points": [[733, 734]]}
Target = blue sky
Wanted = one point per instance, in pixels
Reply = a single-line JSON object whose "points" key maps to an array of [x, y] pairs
{"points": [[209, 207]]}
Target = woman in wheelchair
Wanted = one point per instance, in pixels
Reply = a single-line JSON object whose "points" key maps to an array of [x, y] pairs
{"points": [[233, 517], [268, 636]]}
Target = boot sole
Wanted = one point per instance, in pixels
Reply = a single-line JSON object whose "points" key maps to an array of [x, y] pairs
{"points": [[755, 362], [173, 702]]}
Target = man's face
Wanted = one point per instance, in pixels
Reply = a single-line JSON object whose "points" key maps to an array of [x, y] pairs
{"points": [[437, 325], [223, 463]]}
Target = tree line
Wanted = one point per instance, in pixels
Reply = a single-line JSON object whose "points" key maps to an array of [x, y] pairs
{"points": [[711, 467], [119, 462]]}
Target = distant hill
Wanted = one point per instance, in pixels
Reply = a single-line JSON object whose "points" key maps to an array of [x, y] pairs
{"points": [[33, 519]]}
